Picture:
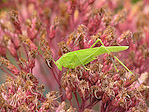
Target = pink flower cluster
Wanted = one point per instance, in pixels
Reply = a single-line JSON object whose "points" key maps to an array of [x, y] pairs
{"points": [[34, 33]]}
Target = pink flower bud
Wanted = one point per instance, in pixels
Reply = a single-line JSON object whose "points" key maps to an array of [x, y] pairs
{"points": [[68, 93], [52, 32], [105, 98], [116, 77], [2, 51]]}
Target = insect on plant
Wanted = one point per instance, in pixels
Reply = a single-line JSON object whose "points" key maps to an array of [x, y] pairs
{"points": [[84, 56]]}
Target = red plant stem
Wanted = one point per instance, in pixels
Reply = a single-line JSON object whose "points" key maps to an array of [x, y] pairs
{"points": [[31, 70], [60, 88], [72, 21], [76, 99], [58, 82], [40, 55], [107, 105], [26, 52], [83, 104], [55, 77], [17, 57], [70, 103], [19, 52], [7, 73], [44, 77], [102, 107], [59, 75], [55, 70], [92, 104], [115, 110]]}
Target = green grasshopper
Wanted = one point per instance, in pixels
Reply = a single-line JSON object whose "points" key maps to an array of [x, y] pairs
{"points": [[84, 56]]}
